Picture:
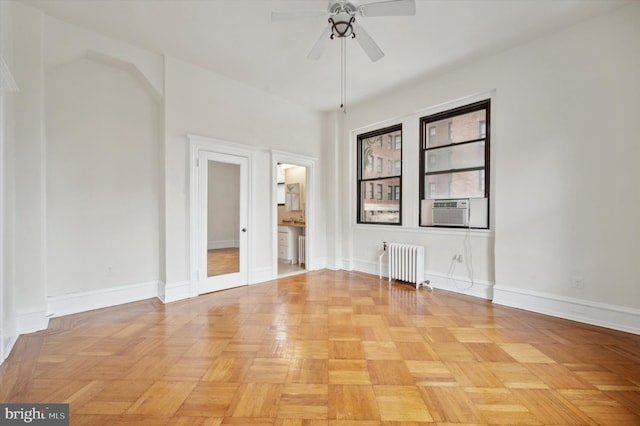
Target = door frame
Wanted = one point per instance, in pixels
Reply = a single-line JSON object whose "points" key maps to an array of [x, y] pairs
{"points": [[197, 145], [309, 163]]}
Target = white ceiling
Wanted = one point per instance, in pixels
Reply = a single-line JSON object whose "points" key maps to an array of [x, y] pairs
{"points": [[237, 38]]}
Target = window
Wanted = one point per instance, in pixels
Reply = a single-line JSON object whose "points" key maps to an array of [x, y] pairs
{"points": [[432, 190], [432, 135], [456, 166], [380, 209]]}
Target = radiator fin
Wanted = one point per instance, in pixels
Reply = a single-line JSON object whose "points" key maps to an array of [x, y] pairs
{"points": [[301, 250]]}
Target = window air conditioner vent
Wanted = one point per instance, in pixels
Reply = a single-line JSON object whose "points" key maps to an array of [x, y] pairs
{"points": [[451, 212]]}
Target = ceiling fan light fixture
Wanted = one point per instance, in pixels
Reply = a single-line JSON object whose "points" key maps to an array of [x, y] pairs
{"points": [[342, 25]]}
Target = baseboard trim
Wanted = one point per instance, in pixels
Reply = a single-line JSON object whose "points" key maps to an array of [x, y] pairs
{"points": [[74, 303], [479, 288], [31, 322], [601, 314], [173, 292], [261, 275]]}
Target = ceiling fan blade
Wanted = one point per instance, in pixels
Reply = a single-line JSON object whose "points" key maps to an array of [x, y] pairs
{"points": [[279, 15], [389, 8], [366, 42], [321, 43]]}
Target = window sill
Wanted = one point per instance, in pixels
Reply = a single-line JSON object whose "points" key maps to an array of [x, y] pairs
{"points": [[481, 233]]}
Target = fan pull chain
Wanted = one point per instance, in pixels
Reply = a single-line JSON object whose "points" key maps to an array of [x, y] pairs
{"points": [[343, 75]]}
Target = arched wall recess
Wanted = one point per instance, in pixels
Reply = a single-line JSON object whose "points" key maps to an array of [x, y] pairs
{"points": [[111, 61]]}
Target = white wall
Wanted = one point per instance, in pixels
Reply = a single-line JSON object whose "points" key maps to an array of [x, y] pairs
{"points": [[103, 156], [567, 167], [564, 167], [29, 169], [203, 103], [336, 189], [27, 283], [8, 317]]}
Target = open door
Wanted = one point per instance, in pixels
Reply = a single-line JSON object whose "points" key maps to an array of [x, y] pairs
{"points": [[222, 221]]}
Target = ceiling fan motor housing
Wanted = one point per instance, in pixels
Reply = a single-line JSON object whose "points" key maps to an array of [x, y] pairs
{"points": [[343, 7]]}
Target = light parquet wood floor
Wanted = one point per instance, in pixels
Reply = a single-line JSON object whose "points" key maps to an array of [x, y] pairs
{"points": [[327, 348], [223, 261]]}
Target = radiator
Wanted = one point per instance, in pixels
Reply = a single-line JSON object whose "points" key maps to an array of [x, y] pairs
{"points": [[301, 250], [406, 263]]}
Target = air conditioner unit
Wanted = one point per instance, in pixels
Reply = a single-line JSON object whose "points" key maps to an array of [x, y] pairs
{"points": [[451, 212]]}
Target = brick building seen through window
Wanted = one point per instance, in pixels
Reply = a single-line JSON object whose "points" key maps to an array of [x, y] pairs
{"points": [[379, 176]]}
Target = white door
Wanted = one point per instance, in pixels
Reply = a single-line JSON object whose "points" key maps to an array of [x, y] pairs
{"points": [[222, 221]]}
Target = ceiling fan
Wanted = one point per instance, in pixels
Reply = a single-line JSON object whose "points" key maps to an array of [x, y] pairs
{"points": [[342, 21]]}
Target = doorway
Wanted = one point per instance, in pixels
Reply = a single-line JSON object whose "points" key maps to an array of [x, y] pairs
{"points": [[294, 213], [222, 221], [291, 218]]}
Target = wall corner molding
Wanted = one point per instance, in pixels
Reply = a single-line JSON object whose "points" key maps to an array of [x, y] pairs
{"points": [[172, 292], [30, 322]]}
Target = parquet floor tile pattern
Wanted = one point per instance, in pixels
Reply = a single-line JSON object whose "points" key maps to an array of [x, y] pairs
{"points": [[327, 348]]}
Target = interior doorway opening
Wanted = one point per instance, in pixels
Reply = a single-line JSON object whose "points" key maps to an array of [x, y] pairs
{"points": [[291, 192]]}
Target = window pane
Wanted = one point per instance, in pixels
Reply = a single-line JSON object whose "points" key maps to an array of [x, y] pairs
{"points": [[455, 185], [382, 209], [373, 150], [455, 157], [462, 128]]}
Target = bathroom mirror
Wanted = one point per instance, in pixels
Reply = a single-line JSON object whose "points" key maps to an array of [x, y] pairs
{"points": [[292, 197]]}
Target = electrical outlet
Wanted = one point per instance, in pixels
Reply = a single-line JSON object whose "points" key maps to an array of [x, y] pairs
{"points": [[577, 282]]}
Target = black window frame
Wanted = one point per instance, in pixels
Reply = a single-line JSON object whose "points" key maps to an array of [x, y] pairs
{"points": [[425, 145], [360, 180]]}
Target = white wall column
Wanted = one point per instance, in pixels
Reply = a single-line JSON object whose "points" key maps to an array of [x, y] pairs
{"points": [[29, 170]]}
